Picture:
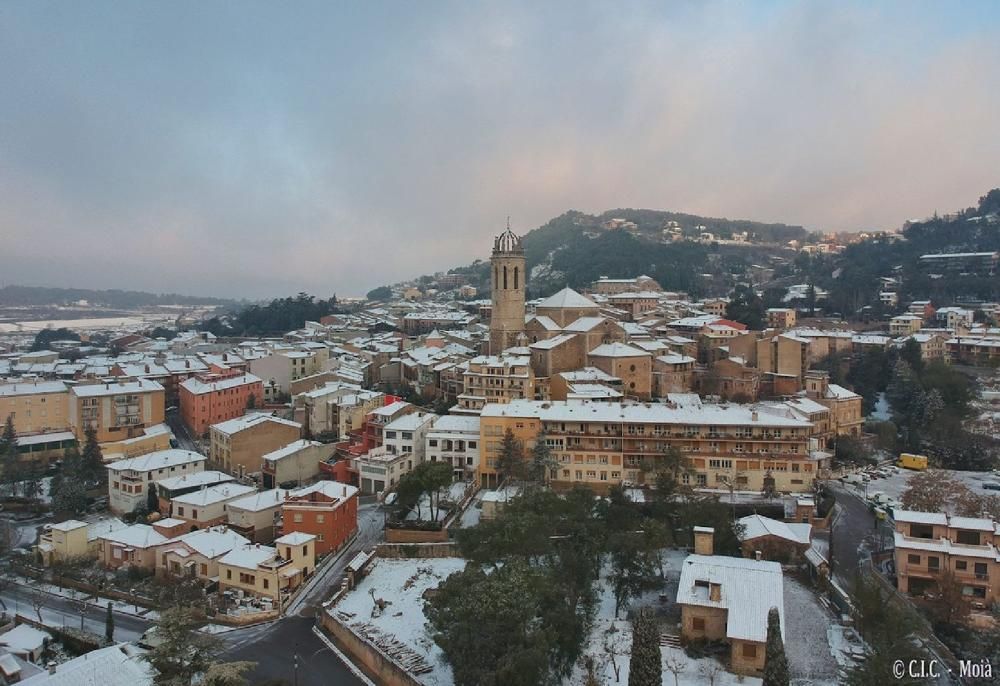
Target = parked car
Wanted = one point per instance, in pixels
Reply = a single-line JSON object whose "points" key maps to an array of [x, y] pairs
{"points": [[991, 486]]}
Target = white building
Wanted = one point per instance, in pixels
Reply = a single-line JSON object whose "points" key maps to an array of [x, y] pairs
{"points": [[128, 480], [455, 439], [406, 435], [207, 507]]}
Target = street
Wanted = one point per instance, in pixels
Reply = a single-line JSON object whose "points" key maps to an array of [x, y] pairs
{"points": [[59, 611], [854, 534], [273, 646]]}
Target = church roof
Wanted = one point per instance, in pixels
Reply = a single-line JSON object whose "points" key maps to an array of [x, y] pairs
{"points": [[568, 298]]}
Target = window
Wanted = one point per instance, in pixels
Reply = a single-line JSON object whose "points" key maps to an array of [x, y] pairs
{"points": [[967, 537], [933, 562], [305, 550], [297, 517], [180, 511], [913, 559], [266, 584], [204, 569], [432, 442], [749, 650], [698, 623], [320, 519], [961, 565], [980, 570], [229, 574]]}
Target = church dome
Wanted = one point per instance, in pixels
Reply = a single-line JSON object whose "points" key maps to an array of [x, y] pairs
{"points": [[508, 241]]}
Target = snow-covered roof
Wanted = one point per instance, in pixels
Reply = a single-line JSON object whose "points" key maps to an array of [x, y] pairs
{"points": [[748, 590], [68, 525], [249, 556], [116, 388], [584, 324], [567, 298], [617, 349], [214, 494], [247, 421], [258, 501], [196, 480], [453, 423], [135, 536], [161, 459], [212, 542], [118, 665], [24, 639], [410, 422], [198, 387], [31, 388], [290, 449], [756, 526], [331, 489], [554, 342], [295, 538], [656, 413]]}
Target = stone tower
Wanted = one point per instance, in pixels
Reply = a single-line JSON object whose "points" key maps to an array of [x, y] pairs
{"points": [[507, 318]]}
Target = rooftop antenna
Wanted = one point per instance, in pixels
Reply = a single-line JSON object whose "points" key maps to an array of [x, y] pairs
{"points": [[508, 222]]}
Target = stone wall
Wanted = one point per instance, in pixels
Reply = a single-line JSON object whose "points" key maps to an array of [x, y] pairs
{"points": [[415, 536], [408, 550], [365, 655]]}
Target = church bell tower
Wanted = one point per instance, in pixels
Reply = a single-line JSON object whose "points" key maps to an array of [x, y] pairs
{"points": [[507, 318]]}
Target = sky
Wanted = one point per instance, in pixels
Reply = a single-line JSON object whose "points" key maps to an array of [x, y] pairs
{"points": [[252, 150]]}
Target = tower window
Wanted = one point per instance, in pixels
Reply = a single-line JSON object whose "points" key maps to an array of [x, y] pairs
{"points": [[496, 276], [505, 277], [515, 278]]}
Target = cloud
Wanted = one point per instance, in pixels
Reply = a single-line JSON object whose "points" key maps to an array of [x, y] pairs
{"points": [[250, 151]]}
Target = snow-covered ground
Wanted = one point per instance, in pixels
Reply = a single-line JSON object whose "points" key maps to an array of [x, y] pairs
{"points": [[402, 583], [810, 656]]}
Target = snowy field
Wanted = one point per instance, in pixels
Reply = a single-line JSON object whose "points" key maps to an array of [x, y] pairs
{"points": [[402, 583]]}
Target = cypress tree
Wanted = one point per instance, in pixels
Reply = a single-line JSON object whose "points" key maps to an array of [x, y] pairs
{"points": [[92, 459], [645, 668], [109, 626], [775, 662]]}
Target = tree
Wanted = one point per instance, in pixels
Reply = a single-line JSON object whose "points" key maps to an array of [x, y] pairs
{"points": [[541, 461], [152, 500], [44, 338], [426, 479], [31, 484], [109, 626], [676, 666], [380, 293], [91, 459], [228, 674], [9, 457], [510, 463], [746, 307], [182, 652], [775, 661], [932, 490], [252, 401], [70, 497], [889, 630], [38, 600], [949, 606], [645, 668]]}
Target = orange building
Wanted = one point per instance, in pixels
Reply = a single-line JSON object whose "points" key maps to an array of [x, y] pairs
{"points": [[208, 399], [327, 509]]}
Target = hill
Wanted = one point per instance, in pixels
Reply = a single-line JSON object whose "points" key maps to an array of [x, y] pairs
{"points": [[575, 249], [39, 296]]}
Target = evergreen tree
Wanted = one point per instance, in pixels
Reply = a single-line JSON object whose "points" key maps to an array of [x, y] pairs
{"points": [[541, 461], [645, 668], [181, 652], [9, 462], [92, 460], [109, 626], [510, 464], [775, 662], [152, 501], [71, 497], [252, 402]]}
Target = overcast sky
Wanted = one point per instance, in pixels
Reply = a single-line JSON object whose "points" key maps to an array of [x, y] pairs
{"points": [[244, 149]]}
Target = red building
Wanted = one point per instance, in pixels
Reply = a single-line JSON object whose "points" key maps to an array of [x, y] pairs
{"points": [[327, 509], [208, 399]]}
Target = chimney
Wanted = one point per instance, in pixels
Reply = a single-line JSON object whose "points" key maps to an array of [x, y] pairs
{"points": [[753, 416], [757, 555], [704, 540], [52, 667]]}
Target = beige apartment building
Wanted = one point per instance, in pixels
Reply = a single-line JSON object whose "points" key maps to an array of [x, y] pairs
{"points": [[36, 407], [493, 379], [296, 462], [116, 410], [600, 444], [255, 516], [780, 318], [930, 545], [238, 446], [269, 572]]}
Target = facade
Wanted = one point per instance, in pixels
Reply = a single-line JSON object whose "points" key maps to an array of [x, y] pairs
{"points": [[672, 373], [130, 546], [296, 462], [455, 439], [63, 541], [338, 408], [846, 407], [930, 545], [493, 379], [728, 599], [279, 369], [196, 555], [130, 480], [905, 324], [172, 487], [600, 444], [509, 279], [606, 286], [208, 399], [780, 318], [268, 572], [632, 365], [405, 436], [785, 355], [256, 516], [380, 470], [37, 407], [326, 510], [239, 445], [116, 410], [206, 507]]}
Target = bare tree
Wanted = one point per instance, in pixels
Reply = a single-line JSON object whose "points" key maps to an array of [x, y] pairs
{"points": [[711, 671], [614, 648], [676, 666], [5, 582], [38, 602]]}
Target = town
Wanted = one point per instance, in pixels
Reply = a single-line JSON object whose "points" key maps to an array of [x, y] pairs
{"points": [[711, 486]]}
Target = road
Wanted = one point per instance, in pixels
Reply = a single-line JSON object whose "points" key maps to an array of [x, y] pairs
{"points": [[60, 611], [184, 440], [273, 646], [854, 535]]}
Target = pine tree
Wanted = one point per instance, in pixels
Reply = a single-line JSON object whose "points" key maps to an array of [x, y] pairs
{"points": [[152, 501], [510, 464], [92, 460], [109, 626], [9, 455], [775, 662], [645, 668], [541, 460]]}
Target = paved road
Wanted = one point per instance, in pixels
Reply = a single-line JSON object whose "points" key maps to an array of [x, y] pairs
{"points": [[854, 534], [59, 611], [273, 646], [184, 439]]}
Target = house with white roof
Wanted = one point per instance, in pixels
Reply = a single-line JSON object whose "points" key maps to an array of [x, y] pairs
{"points": [[296, 463], [454, 439], [196, 554], [269, 573], [728, 599], [774, 539], [130, 546], [256, 516], [206, 507], [129, 480], [238, 445], [117, 665], [406, 435]]}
